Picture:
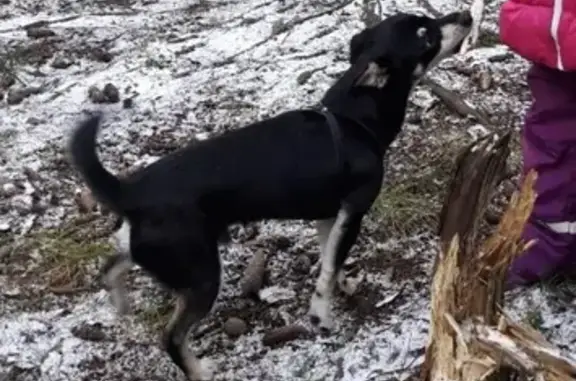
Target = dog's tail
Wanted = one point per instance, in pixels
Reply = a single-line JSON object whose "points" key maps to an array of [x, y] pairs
{"points": [[105, 187]]}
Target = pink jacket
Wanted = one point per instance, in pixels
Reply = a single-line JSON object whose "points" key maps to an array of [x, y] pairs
{"points": [[542, 31]]}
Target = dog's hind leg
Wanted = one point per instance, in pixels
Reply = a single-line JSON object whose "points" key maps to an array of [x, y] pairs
{"points": [[117, 265], [341, 238], [113, 272], [192, 305]]}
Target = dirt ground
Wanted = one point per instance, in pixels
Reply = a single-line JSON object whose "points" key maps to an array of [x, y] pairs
{"points": [[170, 71]]}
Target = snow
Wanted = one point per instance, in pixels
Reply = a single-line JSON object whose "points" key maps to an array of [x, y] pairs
{"points": [[171, 57]]}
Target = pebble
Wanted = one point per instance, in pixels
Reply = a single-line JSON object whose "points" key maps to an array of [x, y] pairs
{"points": [[128, 103], [39, 32], [6, 81], [4, 226], [34, 121], [101, 55], [8, 190], [302, 264], [275, 294], [61, 63], [89, 332], [11, 291], [235, 327], [96, 95], [22, 202], [111, 93]]}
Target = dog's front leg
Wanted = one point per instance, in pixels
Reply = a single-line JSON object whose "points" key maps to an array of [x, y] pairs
{"points": [[341, 238], [323, 228]]}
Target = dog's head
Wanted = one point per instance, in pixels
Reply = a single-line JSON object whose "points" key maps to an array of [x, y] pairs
{"points": [[404, 46]]}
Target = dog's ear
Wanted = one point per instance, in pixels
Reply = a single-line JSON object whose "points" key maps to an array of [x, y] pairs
{"points": [[347, 81], [360, 43]]}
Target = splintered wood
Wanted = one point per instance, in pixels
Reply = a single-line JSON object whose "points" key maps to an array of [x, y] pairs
{"points": [[514, 346], [470, 337]]}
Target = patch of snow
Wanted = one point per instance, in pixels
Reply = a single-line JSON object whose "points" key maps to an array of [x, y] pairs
{"points": [[172, 58]]}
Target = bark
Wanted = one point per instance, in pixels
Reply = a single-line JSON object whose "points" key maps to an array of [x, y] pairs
{"points": [[470, 337]]}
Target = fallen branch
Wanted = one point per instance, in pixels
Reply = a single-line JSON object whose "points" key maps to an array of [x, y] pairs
{"points": [[516, 346], [455, 102]]}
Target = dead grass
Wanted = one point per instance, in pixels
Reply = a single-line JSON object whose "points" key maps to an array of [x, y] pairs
{"points": [[157, 313], [68, 253], [411, 205]]}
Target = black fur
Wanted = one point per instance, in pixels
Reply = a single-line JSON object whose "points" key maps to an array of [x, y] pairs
{"points": [[284, 167]]}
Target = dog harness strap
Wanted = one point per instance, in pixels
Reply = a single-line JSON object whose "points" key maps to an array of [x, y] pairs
{"points": [[336, 136]]}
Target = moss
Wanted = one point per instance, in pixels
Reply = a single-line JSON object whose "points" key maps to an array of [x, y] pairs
{"points": [[488, 39], [412, 204]]}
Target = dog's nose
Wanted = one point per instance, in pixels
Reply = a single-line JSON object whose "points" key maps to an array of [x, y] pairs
{"points": [[465, 18]]}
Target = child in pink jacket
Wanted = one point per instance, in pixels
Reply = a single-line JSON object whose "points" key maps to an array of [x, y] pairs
{"points": [[544, 32]]}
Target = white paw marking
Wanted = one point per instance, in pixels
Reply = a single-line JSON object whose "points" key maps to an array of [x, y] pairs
{"points": [[201, 369], [320, 308], [349, 285]]}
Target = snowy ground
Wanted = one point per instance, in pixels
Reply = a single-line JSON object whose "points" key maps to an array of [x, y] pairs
{"points": [[183, 66]]}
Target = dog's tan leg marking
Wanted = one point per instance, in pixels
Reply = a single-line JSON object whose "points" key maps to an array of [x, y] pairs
{"points": [[323, 228], [183, 319], [321, 302]]}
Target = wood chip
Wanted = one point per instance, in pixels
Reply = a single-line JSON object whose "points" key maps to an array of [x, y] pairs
{"points": [[253, 277], [284, 334]]}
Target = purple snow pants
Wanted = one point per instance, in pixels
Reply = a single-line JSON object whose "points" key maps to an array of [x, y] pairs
{"points": [[549, 147]]}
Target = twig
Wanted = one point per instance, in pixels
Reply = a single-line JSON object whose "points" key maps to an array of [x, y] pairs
{"points": [[40, 23], [429, 8], [45, 23], [454, 101], [402, 369], [284, 28], [67, 289]]}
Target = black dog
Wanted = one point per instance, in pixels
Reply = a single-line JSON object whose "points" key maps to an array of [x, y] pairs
{"points": [[324, 166]]}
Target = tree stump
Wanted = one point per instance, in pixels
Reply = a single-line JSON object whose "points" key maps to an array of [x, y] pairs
{"points": [[470, 337]]}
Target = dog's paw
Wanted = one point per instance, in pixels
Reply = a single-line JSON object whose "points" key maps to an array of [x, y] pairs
{"points": [[348, 285], [202, 370], [320, 313]]}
